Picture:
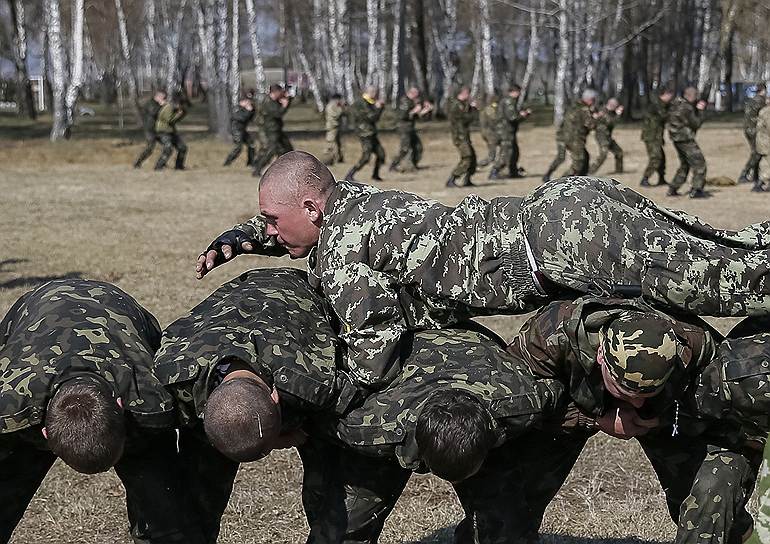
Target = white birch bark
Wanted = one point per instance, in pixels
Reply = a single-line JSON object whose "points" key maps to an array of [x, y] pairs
{"points": [[486, 47], [383, 48], [338, 69], [221, 67], [256, 49], [560, 89], [58, 82], [173, 77], [477, 66], [534, 46], [309, 72], [321, 47], [150, 43], [76, 71], [706, 58], [372, 54], [125, 50], [235, 71], [343, 28], [396, 49], [26, 104]]}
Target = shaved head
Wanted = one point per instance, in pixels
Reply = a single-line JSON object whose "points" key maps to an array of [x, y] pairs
{"points": [[292, 197], [612, 104], [372, 92], [690, 94]]}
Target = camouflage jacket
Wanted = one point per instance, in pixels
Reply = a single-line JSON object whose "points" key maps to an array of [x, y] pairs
{"points": [[560, 133], [168, 116], [763, 131], [561, 341], [406, 120], [578, 122], [270, 319], [751, 109], [150, 111], [391, 261], [461, 115], [488, 117], [271, 113], [240, 119], [684, 120], [454, 359], [366, 116], [508, 118], [333, 113], [70, 328], [654, 120], [604, 127]]}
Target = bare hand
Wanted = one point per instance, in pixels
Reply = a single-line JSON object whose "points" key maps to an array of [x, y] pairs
{"points": [[619, 110], [622, 421], [379, 103], [701, 105], [218, 254]]}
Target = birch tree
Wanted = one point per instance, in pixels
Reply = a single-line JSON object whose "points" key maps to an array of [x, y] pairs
{"points": [[173, 77], [397, 50], [560, 87], [221, 66], [373, 74], [704, 66], [24, 98], [128, 67], [76, 70], [305, 63], [534, 45], [486, 47], [150, 43], [256, 49], [235, 48], [58, 83]]}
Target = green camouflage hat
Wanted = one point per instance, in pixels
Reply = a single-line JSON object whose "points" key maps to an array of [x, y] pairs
{"points": [[640, 351]]}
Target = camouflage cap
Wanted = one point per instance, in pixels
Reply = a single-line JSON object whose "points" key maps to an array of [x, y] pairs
{"points": [[640, 351]]}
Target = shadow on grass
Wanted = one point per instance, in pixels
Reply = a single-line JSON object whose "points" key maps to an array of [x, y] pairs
{"points": [[33, 281], [445, 536]]}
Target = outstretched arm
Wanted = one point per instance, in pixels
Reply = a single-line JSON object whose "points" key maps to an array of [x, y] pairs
{"points": [[248, 237]]}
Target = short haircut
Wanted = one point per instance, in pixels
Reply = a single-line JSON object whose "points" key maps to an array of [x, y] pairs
{"points": [[760, 87], [336, 96], [666, 88], [297, 171], [588, 94], [454, 434], [161, 92], [85, 426], [274, 88], [241, 419], [514, 87]]}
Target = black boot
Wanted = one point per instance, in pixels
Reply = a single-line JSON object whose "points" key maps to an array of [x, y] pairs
{"points": [[393, 167], [376, 173], [744, 177], [350, 174], [452, 181], [758, 187], [467, 181], [619, 166], [672, 191], [546, 177], [698, 193], [645, 182], [494, 174], [662, 180]]}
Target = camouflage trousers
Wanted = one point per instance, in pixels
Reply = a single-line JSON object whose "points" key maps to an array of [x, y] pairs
{"points": [[370, 145], [508, 156], [333, 153], [763, 170], [606, 147], [761, 533], [150, 138], [561, 156], [690, 158], [596, 236], [467, 165], [241, 138], [148, 471], [169, 142], [751, 169], [579, 161], [656, 159], [274, 146], [410, 146], [492, 141]]}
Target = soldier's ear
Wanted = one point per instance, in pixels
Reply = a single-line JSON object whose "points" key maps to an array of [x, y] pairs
{"points": [[274, 396], [313, 210], [120, 402], [45, 432]]}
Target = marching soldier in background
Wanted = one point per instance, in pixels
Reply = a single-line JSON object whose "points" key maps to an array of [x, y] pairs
{"points": [[488, 120], [561, 153], [461, 112], [239, 122], [652, 135], [271, 111], [77, 384], [168, 117], [762, 182], [410, 108], [751, 109], [334, 111], [579, 121], [366, 113], [604, 127], [508, 118], [150, 111], [685, 116]]}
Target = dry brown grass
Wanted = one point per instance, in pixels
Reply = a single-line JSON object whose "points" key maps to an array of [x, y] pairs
{"points": [[79, 209]]}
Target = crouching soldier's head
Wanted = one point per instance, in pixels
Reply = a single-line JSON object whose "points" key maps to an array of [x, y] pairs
{"points": [[242, 418], [454, 434], [85, 425]]}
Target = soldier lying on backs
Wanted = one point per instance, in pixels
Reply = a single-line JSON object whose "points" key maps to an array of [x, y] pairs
{"points": [[75, 383], [390, 261]]}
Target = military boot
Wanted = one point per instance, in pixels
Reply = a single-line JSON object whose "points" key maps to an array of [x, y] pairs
{"points": [[744, 177], [467, 181], [619, 165], [250, 156], [698, 193], [672, 191], [662, 180], [393, 167], [645, 182], [759, 188], [350, 174], [494, 174], [376, 173], [452, 181]]}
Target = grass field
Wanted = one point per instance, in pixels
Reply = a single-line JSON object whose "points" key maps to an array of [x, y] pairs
{"points": [[78, 209]]}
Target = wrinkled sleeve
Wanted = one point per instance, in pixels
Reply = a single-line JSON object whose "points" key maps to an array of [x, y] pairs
{"points": [[255, 231], [541, 343]]}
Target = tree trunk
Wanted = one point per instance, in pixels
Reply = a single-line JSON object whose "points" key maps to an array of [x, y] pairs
{"points": [[76, 71], [205, 27], [150, 43], [726, 40], [417, 45], [373, 74], [383, 51], [397, 51], [256, 50], [486, 48], [343, 38], [58, 106], [312, 81], [235, 71], [221, 65], [704, 66], [560, 88], [173, 75], [24, 98], [125, 48], [534, 45], [477, 68], [321, 47]]}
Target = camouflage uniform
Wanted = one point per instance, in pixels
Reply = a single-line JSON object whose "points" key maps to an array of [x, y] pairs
{"points": [[239, 122], [366, 114], [272, 320], [385, 425], [578, 122], [763, 149], [165, 126], [410, 144], [684, 120], [488, 119], [88, 330], [605, 125], [751, 109], [334, 113], [652, 136], [150, 111], [705, 483], [561, 153], [276, 142], [461, 115], [390, 261], [258, 123], [508, 119]]}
